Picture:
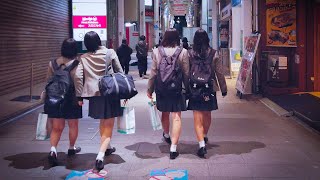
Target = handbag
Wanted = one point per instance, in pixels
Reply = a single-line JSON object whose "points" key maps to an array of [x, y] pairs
{"points": [[154, 116], [44, 127], [126, 123], [116, 85]]}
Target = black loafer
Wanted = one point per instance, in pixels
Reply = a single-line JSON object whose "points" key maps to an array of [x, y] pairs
{"points": [[168, 140], [53, 158], [98, 166], [206, 140], [201, 152], [74, 151], [110, 151], [174, 155]]}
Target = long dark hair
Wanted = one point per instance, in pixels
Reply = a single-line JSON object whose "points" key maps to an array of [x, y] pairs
{"points": [[69, 48], [171, 38], [201, 42]]}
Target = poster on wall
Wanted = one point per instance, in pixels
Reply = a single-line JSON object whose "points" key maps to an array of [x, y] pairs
{"points": [[235, 60], [243, 84], [281, 23], [89, 15]]}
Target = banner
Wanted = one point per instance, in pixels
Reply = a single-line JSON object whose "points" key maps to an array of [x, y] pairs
{"points": [[243, 84], [179, 7], [281, 23]]}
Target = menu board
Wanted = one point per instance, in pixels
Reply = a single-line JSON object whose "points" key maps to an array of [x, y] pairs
{"points": [[281, 23], [243, 84], [179, 7]]}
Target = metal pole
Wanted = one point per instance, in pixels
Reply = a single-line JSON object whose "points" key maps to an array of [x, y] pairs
{"points": [[31, 81]]}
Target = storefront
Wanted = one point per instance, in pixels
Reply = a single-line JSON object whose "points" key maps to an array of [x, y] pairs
{"points": [[289, 61]]}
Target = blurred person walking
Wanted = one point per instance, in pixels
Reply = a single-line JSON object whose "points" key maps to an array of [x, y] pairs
{"points": [[142, 54], [124, 52], [169, 76], [93, 65]]}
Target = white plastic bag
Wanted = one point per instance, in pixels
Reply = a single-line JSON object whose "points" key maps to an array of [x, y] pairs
{"points": [[127, 122], [154, 116], [44, 126]]}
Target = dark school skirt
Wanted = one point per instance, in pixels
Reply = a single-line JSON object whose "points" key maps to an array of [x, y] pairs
{"points": [[171, 103], [102, 108], [70, 110], [203, 105]]}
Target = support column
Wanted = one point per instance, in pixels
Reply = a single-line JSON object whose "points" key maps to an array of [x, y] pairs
{"points": [[215, 14], [121, 32], [204, 15], [156, 22], [142, 18]]}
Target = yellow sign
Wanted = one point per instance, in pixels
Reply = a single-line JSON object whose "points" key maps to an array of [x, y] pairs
{"points": [[281, 23]]}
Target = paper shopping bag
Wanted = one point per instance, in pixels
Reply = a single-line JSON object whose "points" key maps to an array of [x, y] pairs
{"points": [[154, 116], [44, 127], [127, 122]]}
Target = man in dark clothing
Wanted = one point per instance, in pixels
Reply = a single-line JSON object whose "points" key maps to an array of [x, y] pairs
{"points": [[142, 54], [124, 52]]}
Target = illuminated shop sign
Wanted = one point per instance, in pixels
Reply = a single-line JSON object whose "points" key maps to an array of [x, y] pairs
{"points": [[89, 22]]}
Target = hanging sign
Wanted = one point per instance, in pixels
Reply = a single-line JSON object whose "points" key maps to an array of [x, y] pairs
{"points": [[243, 83], [281, 23], [236, 3], [179, 7]]}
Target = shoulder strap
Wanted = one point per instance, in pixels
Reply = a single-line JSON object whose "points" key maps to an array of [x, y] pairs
{"points": [[54, 64], [108, 65], [72, 66], [177, 53], [162, 52]]}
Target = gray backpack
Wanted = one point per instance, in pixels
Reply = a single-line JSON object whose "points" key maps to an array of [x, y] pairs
{"points": [[169, 75]]}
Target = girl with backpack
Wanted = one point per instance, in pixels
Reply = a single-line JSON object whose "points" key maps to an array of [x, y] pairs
{"points": [[93, 65], [67, 108], [205, 69], [169, 72]]}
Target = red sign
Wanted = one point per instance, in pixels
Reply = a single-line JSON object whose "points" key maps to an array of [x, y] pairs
{"points": [[149, 13], [89, 21]]}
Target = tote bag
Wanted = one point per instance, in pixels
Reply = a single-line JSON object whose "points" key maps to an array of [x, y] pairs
{"points": [[127, 123], [154, 116], [44, 127]]}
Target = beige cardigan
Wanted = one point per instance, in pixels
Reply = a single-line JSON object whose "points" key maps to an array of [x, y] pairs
{"points": [[91, 68], [183, 61]]}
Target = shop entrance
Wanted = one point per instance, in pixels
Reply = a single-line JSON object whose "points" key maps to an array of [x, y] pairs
{"points": [[316, 78]]}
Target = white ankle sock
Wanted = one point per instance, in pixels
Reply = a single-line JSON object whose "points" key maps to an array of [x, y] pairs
{"points": [[173, 148], [202, 144], [72, 147], [100, 156], [53, 149], [166, 135]]}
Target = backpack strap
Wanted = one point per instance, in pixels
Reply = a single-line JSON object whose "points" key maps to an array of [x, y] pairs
{"points": [[162, 52], [72, 66], [177, 52], [55, 65]]}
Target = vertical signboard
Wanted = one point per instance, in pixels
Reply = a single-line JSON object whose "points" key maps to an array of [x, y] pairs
{"points": [[243, 84], [89, 15], [281, 23]]}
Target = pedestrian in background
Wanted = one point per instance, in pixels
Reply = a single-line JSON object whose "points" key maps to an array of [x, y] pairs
{"points": [[168, 100], [124, 52], [142, 54], [205, 69], [185, 43], [93, 66], [70, 109]]}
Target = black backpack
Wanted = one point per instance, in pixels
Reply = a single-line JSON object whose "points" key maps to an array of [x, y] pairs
{"points": [[169, 75], [201, 76], [59, 87]]}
